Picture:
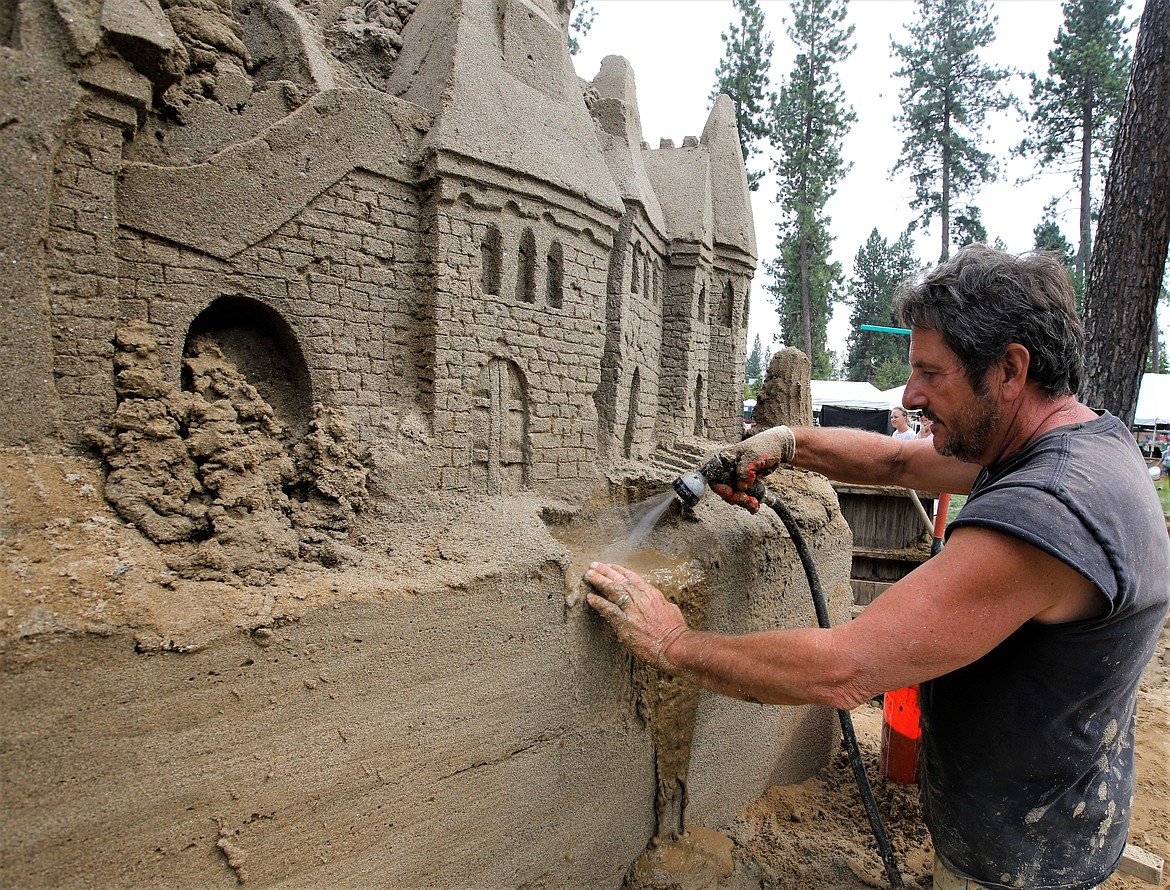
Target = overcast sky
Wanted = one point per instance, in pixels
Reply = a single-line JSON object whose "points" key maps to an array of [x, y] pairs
{"points": [[675, 46]]}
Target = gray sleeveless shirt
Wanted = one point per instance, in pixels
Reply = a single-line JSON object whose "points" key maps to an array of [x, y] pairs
{"points": [[1027, 753]]}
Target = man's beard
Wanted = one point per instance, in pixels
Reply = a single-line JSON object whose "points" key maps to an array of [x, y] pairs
{"points": [[967, 433]]}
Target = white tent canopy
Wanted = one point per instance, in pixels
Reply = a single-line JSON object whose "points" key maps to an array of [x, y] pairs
{"points": [[847, 394], [895, 395], [1153, 404]]}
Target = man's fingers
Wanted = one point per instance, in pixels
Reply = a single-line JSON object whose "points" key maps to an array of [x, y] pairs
{"points": [[602, 605], [643, 619], [747, 471], [604, 576], [736, 498]]}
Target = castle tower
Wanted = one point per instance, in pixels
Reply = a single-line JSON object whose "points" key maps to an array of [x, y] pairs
{"points": [[518, 226], [703, 190], [629, 397]]}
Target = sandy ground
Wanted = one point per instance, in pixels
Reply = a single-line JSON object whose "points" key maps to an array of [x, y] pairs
{"points": [[816, 834]]}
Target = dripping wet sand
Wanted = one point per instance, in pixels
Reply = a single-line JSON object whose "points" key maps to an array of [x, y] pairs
{"points": [[667, 704]]}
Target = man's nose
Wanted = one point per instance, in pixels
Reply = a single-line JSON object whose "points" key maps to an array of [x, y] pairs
{"points": [[912, 396]]}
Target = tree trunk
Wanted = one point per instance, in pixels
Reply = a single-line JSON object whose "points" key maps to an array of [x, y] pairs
{"points": [[1086, 230], [805, 152], [1129, 257], [805, 298], [945, 203]]}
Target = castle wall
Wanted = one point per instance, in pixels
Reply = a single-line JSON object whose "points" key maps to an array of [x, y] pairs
{"points": [[728, 317], [630, 388], [414, 742], [344, 274], [686, 346], [443, 719], [81, 268]]}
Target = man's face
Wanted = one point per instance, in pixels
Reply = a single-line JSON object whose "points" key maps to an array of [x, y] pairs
{"points": [[963, 420]]}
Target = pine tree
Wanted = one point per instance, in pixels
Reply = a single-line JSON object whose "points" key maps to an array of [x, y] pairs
{"points": [[809, 126], [1077, 105], [1157, 362], [752, 368], [580, 24], [948, 94], [968, 227], [890, 373], [1047, 236], [743, 75], [878, 269]]}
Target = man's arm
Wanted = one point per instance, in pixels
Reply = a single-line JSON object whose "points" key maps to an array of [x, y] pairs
{"points": [[861, 457], [947, 613]]}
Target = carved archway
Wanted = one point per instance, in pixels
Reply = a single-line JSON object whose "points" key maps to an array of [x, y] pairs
{"points": [[499, 428]]}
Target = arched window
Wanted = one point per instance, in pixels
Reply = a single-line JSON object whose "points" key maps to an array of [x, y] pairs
{"points": [[526, 268], [699, 426], [702, 301], [258, 341], [631, 436], [490, 258], [556, 275], [634, 269], [729, 304]]}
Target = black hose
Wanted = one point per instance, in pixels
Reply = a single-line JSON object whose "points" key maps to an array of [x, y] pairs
{"points": [[814, 585]]}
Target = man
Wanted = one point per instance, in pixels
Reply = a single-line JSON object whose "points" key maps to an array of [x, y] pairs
{"points": [[1028, 632], [902, 428]]}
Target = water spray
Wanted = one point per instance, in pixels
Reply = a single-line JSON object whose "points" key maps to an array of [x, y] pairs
{"points": [[721, 470]]}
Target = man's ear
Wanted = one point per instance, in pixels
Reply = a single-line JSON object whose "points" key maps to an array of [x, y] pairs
{"points": [[1014, 368]]}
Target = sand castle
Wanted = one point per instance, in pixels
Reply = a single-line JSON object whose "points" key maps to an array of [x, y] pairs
{"points": [[335, 337]]}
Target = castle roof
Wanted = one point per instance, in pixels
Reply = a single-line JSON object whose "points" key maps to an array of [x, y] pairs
{"points": [[487, 71]]}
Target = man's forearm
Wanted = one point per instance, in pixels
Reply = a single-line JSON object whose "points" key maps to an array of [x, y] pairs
{"points": [[849, 455], [777, 667], [865, 458]]}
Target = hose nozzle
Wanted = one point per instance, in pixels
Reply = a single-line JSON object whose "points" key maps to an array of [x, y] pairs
{"points": [[690, 487], [719, 469]]}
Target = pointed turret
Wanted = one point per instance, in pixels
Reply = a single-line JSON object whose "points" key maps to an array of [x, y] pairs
{"points": [[615, 109], [734, 225]]}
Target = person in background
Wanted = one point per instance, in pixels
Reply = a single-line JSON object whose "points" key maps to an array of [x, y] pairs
{"points": [[901, 422], [1027, 633], [924, 428]]}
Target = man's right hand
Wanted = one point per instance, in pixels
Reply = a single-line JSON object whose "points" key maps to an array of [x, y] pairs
{"points": [[756, 456]]}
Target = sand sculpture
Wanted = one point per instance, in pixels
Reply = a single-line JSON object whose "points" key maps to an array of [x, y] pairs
{"points": [[336, 339]]}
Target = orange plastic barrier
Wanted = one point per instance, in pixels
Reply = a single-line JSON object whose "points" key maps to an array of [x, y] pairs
{"points": [[901, 735]]}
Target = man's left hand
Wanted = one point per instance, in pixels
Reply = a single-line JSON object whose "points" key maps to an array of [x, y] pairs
{"points": [[645, 621]]}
